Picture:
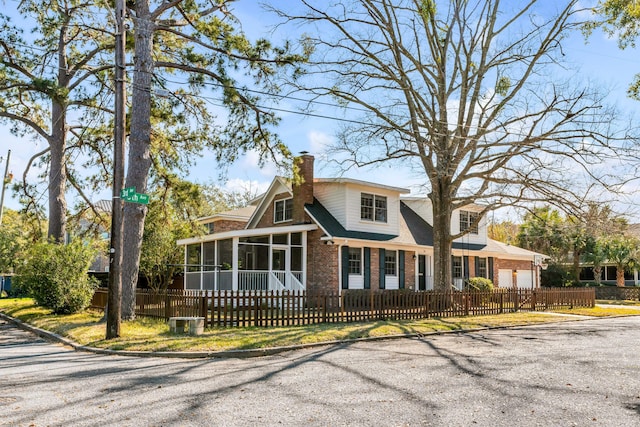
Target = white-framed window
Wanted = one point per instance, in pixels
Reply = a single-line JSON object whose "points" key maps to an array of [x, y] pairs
{"points": [[390, 263], [482, 268], [373, 207], [467, 220], [457, 267], [282, 210], [355, 261]]}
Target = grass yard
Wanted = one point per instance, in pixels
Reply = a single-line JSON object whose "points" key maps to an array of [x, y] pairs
{"points": [[146, 334]]}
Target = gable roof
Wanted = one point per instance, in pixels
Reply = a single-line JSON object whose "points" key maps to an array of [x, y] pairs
{"points": [[421, 230], [277, 186], [240, 214], [414, 230], [503, 249], [362, 183]]}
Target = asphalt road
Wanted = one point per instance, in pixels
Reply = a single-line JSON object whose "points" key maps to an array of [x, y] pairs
{"points": [[584, 373]]}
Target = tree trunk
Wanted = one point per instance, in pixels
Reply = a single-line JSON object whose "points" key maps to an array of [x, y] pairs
{"points": [[139, 159], [576, 265], [619, 276], [597, 271], [442, 275], [57, 175], [58, 146]]}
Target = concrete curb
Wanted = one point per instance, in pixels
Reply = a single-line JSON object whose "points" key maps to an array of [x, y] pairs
{"points": [[243, 354]]}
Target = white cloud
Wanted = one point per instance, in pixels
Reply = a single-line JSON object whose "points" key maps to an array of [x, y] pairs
{"points": [[241, 185], [251, 163], [319, 142]]}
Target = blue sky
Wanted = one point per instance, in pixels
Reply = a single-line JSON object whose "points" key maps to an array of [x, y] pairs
{"points": [[599, 60]]}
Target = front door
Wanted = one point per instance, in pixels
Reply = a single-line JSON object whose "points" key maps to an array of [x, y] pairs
{"points": [[422, 270], [280, 263]]}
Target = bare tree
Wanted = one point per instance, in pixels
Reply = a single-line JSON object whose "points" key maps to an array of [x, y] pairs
{"points": [[470, 93]]}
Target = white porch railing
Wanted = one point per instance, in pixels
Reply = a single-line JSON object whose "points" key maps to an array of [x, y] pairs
{"points": [[276, 281], [295, 281], [248, 280], [253, 280]]}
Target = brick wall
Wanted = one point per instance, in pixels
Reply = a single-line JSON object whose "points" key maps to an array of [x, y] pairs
{"points": [[375, 269], [409, 270], [508, 264], [267, 218], [322, 264], [303, 190], [228, 225]]}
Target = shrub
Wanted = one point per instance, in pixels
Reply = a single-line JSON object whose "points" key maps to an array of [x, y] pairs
{"points": [[479, 284], [555, 275], [55, 276]]}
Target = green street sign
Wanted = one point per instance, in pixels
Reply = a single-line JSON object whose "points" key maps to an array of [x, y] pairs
{"points": [[127, 192], [129, 195]]}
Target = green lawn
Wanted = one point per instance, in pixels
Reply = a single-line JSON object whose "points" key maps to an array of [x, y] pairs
{"points": [[153, 335]]}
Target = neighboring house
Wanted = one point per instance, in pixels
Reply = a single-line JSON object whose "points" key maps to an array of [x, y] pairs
{"points": [[87, 222], [608, 274], [329, 234]]}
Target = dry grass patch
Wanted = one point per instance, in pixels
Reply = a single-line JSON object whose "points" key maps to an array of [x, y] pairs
{"points": [[146, 334], [600, 311], [618, 302]]}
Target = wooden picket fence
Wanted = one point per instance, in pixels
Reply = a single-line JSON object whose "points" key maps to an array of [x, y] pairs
{"points": [[256, 308]]}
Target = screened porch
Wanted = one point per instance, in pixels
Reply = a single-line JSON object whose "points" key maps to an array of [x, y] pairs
{"points": [[264, 262]]}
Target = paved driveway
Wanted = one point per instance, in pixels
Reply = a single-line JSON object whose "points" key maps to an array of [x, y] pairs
{"points": [[584, 373]]}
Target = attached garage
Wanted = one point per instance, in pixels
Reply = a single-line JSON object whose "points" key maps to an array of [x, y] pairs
{"points": [[524, 278]]}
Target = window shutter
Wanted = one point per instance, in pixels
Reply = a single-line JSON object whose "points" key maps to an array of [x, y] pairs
{"points": [[367, 268], [345, 267], [477, 265], [466, 266], [401, 269], [381, 262], [490, 268]]}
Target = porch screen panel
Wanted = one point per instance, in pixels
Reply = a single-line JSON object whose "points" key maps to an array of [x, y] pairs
{"points": [[209, 267], [367, 268], [401, 269], [225, 259], [296, 258], [194, 259], [345, 267], [381, 268]]}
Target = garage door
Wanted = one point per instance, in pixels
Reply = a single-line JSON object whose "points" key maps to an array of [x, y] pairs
{"points": [[504, 278], [525, 279]]}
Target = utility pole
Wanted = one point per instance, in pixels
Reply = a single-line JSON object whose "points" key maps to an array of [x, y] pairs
{"points": [[115, 251], [4, 184]]}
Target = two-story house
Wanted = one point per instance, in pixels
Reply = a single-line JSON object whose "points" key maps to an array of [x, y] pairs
{"points": [[329, 234]]}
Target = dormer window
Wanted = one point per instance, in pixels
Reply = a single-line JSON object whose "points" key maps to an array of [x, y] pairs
{"points": [[467, 220], [283, 210], [209, 227], [373, 207]]}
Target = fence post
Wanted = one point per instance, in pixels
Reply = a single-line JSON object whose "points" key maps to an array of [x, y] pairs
{"points": [[466, 302], [533, 300], [371, 302], [167, 305], [203, 305]]}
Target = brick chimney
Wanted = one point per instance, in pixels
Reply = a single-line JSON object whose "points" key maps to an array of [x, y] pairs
{"points": [[302, 186]]}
